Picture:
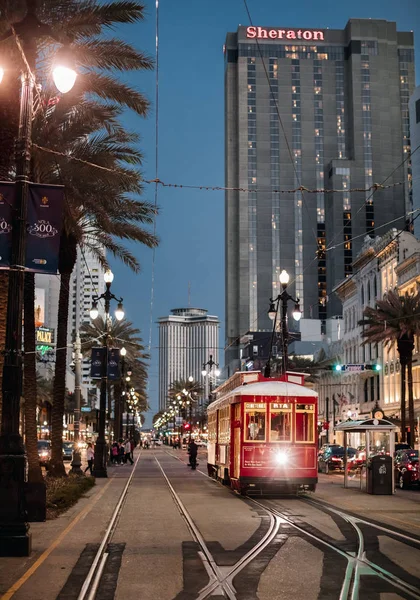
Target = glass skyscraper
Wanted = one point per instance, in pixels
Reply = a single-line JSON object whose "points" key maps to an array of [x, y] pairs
{"points": [[319, 110]]}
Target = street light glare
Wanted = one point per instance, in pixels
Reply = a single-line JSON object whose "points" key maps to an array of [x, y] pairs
{"points": [[204, 372], [190, 378], [123, 351], [297, 313], [108, 276], [64, 78], [284, 277], [217, 372], [119, 313], [94, 312]]}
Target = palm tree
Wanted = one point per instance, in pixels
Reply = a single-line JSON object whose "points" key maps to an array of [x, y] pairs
{"points": [[120, 334], [187, 391], [396, 319]]}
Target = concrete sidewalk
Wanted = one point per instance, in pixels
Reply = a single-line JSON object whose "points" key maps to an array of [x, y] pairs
{"points": [[401, 510]]}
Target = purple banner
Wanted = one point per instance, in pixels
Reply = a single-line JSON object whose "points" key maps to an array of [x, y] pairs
{"points": [[45, 219], [114, 364], [97, 360], [7, 202]]}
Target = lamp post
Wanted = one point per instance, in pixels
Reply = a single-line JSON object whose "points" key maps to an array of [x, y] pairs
{"points": [[99, 463], [15, 539], [208, 372], [281, 301], [77, 459]]}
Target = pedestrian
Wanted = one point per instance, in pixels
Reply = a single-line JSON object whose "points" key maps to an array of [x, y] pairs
{"points": [[193, 455], [114, 451], [127, 450], [121, 452], [132, 446], [90, 454]]}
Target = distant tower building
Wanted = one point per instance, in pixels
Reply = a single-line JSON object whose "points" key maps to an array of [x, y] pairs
{"points": [[340, 97], [415, 159], [187, 337], [87, 280]]}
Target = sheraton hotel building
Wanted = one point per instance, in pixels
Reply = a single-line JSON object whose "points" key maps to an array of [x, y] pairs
{"points": [[324, 109]]}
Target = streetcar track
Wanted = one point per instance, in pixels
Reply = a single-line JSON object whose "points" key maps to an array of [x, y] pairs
{"points": [[357, 564], [221, 578], [93, 578]]}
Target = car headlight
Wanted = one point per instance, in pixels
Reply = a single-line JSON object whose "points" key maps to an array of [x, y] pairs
{"points": [[281, 457]]}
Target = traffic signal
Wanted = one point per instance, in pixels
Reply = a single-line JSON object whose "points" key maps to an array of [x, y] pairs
{"points": [[375, 367], [338, 368]]}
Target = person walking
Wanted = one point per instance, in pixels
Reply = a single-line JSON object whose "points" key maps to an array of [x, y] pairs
{"points": [[121, 452], [90, 454], [127, 450], [193, 455]]}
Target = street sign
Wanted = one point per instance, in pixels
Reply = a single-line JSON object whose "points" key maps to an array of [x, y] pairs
{"points": [[85, 409], [354, 368]]}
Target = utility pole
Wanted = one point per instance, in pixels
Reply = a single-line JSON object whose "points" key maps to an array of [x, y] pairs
{"points": [[327, 417], [77, 459]]}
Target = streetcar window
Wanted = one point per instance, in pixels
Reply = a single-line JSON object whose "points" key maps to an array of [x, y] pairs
{"points": [[254, 425], [305, 423], [280, 423]]}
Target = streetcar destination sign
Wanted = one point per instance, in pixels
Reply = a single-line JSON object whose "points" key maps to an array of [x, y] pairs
{"points": [[354, 368]]}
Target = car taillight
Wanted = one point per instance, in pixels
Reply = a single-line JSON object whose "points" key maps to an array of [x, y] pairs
{"points": [[409, 466], [336, 458]]}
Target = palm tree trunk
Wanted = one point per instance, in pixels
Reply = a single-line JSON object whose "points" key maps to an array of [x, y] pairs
{"points": [[30, 388], [117, 409], [411, 421], [4, 286], [403, 366], [56, 464]]}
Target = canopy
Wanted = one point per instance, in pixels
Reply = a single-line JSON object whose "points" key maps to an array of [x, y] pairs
{"points": [[366, 425]]}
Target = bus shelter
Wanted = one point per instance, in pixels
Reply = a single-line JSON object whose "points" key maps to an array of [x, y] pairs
{"points": [[379, 439]]}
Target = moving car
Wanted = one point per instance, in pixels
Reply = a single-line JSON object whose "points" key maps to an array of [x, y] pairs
{"points": [[68, 450], [44, 452], [407, 468], [332, 459]]}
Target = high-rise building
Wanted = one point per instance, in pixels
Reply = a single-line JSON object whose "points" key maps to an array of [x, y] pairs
{"points": [[415, 159], [322, 109], [187, 338], [87, 281]]}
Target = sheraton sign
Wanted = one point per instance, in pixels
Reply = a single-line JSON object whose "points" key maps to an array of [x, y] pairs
{"points": [[262, 33]]}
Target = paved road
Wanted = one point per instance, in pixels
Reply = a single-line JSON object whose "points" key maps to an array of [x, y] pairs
{"points": [[181, 536]]}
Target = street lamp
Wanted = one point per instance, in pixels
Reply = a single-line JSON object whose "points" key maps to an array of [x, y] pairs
{"points": [[282, 299], [208, 372], [15, 539], [99, 464]]}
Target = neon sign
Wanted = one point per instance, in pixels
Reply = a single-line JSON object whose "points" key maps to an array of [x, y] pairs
{"points": [[262, 33]]}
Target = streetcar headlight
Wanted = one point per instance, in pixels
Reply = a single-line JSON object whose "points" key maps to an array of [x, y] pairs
{"points": [[281, 457]]}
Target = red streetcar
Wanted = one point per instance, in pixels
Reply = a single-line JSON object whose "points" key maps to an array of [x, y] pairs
{"points": [[262, 434]]}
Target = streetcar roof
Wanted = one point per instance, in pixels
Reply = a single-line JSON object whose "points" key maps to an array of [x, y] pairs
{"points": [[265, 388]]}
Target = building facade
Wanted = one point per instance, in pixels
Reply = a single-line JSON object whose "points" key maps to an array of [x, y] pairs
{"points": [[323, 109], [187, 338], [87, 281], [414, 108], [387, 262]]}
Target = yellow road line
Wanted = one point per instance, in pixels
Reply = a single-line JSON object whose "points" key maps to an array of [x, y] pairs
{"points": [[20, 582]]}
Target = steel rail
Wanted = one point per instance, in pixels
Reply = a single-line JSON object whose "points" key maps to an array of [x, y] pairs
{"points": [[98, 565], [220, 579], [355, 563], [352, 576]]}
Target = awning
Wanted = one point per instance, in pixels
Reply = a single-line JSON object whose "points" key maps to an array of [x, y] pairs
{"points": [[366, 425]]}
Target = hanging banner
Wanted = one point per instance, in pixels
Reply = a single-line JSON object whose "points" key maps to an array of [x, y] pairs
{"points": [[7, 202], [97, 359], [114, 364], [45, 219]]}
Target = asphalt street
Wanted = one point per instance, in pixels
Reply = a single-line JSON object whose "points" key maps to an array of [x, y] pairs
{"points": [[179, 535]]}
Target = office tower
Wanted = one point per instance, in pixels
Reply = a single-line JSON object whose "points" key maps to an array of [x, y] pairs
{"points": [[415, 160], [187, 338], [323, 109], [87, 281]]}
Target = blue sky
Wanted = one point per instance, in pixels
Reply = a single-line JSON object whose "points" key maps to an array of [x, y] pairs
{"points": [[191, 142]]}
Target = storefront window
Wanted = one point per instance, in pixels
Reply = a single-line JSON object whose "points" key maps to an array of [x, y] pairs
{"points": [[280, 423], [305, 422], [254, 422]]}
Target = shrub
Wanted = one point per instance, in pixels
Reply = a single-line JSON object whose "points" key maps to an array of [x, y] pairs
{"points": [[64, 492]]}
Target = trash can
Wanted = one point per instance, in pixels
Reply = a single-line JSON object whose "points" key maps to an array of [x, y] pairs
{"points": [[379, 475]]}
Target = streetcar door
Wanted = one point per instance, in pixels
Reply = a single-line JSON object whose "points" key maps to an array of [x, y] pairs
{"points": [[237, 442]]}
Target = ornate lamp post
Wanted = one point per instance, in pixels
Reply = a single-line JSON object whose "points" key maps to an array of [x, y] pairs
{"points": [[209, 368], [99, 464], [15, 539], [281, 301]]}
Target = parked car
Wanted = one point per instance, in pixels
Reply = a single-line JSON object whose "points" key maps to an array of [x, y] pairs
{"points": [[68, 450], [332, 459], [402, 446], [407, 468], [360, 457], [325, 447], [201, 443], [44, 452]]}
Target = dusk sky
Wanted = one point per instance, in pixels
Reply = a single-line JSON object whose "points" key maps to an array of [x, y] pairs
{"points": [[191, 143]]}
